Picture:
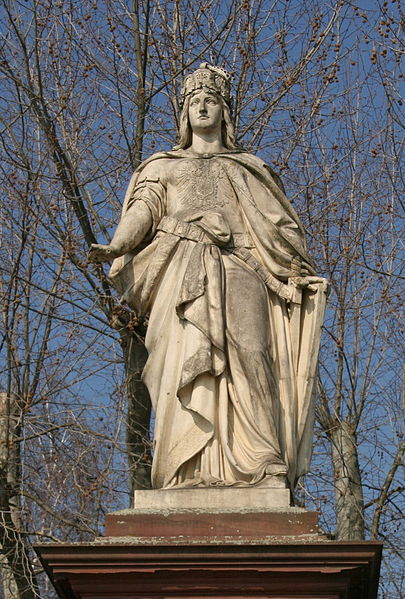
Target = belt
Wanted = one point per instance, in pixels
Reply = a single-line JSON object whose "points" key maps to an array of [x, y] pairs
{"points": [[184, 230], [191, 231]]}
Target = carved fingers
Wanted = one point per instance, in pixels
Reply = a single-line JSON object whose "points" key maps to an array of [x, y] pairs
{"points": [[310, 282]]}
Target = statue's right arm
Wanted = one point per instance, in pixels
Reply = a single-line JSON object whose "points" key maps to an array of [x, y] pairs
{"points": [[137, 220], [133, 227]]}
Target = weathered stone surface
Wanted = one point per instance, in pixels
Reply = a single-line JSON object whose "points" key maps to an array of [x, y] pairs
{"points": [[217, 498]]}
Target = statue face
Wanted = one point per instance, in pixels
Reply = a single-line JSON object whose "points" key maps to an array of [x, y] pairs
{"points": [[205, 112]]}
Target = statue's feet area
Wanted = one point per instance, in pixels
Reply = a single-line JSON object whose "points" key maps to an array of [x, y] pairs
{"points": [[270, 481], [275, 477]]}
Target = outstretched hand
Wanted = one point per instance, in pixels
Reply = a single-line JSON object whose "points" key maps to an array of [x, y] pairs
{"points": [[102, 253]]}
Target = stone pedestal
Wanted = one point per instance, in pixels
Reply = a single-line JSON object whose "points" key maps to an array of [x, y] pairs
{"points": [[212, 552], [234, 498]]}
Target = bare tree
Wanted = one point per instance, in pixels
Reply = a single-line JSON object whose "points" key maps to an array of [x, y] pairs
{"points": [[88, 91]]}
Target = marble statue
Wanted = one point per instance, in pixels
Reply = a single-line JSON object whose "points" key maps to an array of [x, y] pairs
{"points": [[209, 246]]}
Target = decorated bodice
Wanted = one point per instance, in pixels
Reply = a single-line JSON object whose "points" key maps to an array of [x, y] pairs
{"points": [[200, 184]]}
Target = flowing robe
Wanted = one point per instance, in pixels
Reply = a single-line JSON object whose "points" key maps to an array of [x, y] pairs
{"points": [[232, 345]]}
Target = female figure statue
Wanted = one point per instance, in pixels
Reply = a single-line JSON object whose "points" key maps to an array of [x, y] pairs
{"points": [[210, 247]]}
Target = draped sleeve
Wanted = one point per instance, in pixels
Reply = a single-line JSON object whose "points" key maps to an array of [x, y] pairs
{"points": [[147, 185], [152, 192]]}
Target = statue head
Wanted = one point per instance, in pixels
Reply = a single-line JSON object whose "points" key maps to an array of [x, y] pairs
{"points": [[214, 80]]}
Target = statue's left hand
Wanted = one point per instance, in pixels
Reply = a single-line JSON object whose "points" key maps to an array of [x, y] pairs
{"points": [[308, 282]]}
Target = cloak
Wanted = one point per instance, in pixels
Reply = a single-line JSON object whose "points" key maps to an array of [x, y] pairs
{"points": [[227, 402]]}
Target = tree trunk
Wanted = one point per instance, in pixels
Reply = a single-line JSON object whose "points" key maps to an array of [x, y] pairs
{"points": [[139, 411], [19, 581], [10, 590], [7, 481], [348, 489]]}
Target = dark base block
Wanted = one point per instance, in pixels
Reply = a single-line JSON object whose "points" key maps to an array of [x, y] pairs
{"points": [[214, 526], [212, 554]]}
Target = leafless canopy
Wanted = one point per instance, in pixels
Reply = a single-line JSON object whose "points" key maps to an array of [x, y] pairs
{"points": [[89, 89]]}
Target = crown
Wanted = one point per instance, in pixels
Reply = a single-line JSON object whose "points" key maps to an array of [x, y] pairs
{"points": [[213, 78]]}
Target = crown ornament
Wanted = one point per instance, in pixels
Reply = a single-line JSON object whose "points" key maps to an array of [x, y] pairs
{"points": [[215, 79]]}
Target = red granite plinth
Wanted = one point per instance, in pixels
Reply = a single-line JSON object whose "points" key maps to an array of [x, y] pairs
{"points": [[213, 525]]}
